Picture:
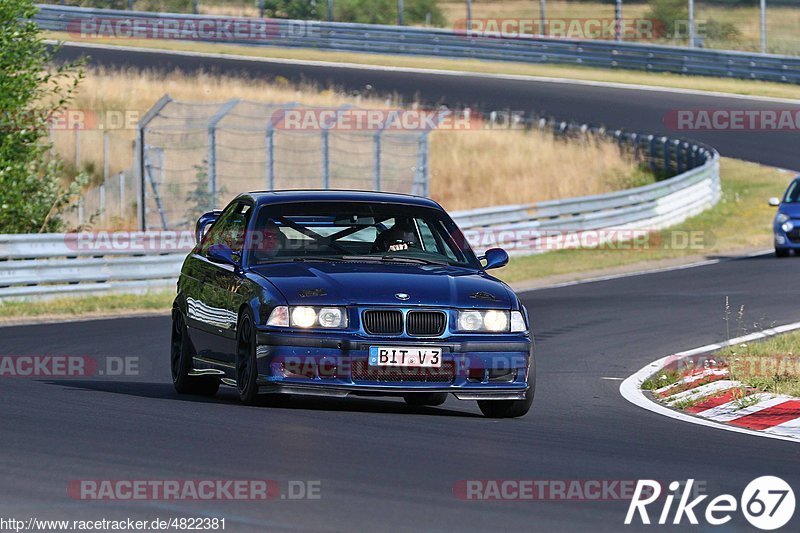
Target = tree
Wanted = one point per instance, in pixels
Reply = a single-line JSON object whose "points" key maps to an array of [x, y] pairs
{"points": [[32, 191]]}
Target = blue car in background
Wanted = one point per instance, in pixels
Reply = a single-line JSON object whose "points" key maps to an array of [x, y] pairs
{"points": [[340, 293], [786, 225]]}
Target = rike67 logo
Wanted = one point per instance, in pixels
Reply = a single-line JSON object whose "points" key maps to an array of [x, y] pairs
{"points": [[767, 503]]}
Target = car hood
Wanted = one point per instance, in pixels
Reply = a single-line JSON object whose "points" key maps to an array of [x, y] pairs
{"points": [[792, 210], [318, 283]]}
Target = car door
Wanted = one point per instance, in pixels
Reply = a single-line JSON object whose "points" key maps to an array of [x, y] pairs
{"points": [[212, 315]]}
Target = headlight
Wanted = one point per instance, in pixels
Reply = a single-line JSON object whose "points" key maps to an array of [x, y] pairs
{"points": [[308, 317], [493, 320], [304, 317], [496, 320], [780, 218], [787, 226], [517, 322], [331, 317]]}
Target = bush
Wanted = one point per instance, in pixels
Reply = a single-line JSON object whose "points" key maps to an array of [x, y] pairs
{"points": [[721, 31], [31, 189], [674, 15]]}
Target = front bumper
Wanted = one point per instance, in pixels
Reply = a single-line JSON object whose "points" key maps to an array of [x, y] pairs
{"points": [[787, 240], [493, 368]]}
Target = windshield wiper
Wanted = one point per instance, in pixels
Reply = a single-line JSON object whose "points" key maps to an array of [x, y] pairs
{"points": [[319, 258], [334, 259], [394, 259]]}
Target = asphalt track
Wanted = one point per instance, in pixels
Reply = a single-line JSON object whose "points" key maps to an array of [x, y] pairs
{"points": [[387, 467]]}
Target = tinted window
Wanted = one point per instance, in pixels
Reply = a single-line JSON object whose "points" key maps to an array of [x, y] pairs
{"points": [[229, 229], [792, 193]]}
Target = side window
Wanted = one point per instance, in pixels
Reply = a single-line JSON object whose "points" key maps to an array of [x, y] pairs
{"points": [[229, 229], [792, 193]]}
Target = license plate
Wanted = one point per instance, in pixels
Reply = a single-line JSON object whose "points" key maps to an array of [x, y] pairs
{"points": [[405, 356]]}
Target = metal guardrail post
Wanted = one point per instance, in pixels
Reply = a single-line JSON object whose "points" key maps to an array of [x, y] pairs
{"points": [[422, 173], [326, 159], [270, 170], [141, 149], [212, 148], [376, 173]]}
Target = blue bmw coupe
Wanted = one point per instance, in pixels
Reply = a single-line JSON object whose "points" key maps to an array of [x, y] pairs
{"points": [[339, 293]]}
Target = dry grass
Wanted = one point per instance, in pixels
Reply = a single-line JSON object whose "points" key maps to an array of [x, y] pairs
{"points": [[468, 168], [474, 169]]}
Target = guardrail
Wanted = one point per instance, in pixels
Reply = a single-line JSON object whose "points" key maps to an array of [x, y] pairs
{"points": [[531, 228], [50, 265], [433, 42], [59, 264]]}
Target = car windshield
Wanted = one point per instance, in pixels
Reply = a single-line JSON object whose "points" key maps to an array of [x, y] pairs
{"points": [[357, 231], [792, 193]]}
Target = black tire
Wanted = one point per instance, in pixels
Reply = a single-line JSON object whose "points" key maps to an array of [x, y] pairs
{"points": [[507, 408], [431, 399], [781, 252], [512, 408], [246, 363], [181, 355]]}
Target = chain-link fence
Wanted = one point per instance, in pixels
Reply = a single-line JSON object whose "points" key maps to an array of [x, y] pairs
{"points": [[193, 157]]}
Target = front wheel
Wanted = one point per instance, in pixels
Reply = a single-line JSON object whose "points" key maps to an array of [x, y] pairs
{"points": [[507, 408], [431, 399], [781, 252], [181, 355], [246, 362], [512, 408]]}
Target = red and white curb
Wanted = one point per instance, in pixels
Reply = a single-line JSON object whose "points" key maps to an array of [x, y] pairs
{"points": [[717, 401]]}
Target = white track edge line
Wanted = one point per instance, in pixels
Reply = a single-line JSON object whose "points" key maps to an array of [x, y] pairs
{"points": [[629, 389], [441, 72], [706, 262]]}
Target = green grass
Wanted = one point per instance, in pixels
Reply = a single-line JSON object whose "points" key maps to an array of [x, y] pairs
{"points": [[87, 305], [740, 221], [661, 379], [772, 365], [700, 83]]}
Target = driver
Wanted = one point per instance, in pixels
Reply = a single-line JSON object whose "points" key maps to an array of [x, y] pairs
{"points": [[401, 236], [268, 241]]}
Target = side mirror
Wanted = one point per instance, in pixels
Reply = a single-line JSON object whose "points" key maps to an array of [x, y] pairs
{"points": [[774, 202], [495, 258], [204, 222], [223, 254]]}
